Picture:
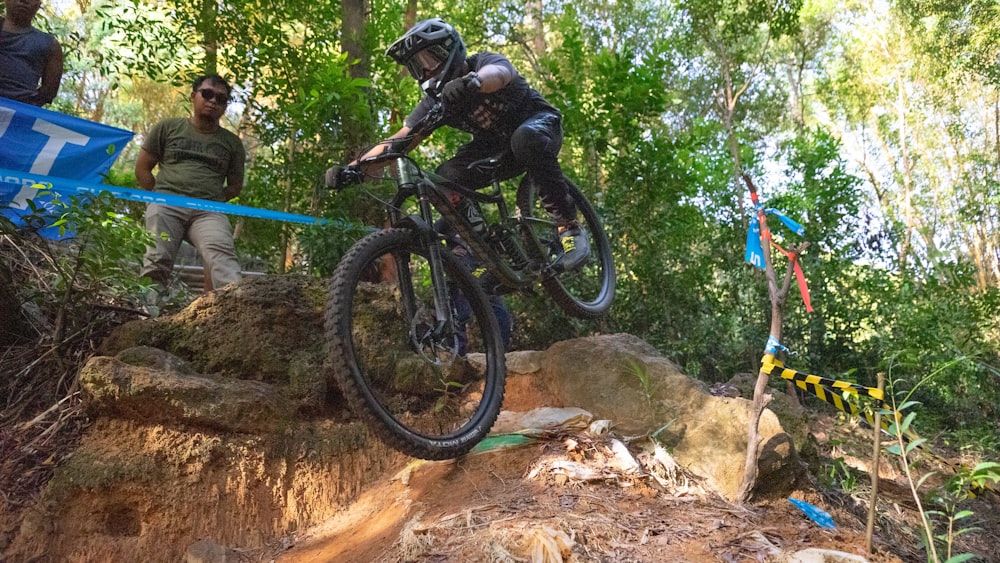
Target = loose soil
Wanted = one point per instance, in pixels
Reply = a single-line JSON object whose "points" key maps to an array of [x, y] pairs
{"points": [[505, 506], [485, 508], [512, 505]]}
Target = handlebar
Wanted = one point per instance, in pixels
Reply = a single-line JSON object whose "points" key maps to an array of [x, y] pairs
{"points": [[340, 177]]}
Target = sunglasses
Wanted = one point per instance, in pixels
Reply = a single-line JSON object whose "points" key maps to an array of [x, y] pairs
{"points": [[219, 97]]}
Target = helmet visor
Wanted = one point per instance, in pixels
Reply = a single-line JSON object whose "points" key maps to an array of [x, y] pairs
{"points": [[427, 62]]}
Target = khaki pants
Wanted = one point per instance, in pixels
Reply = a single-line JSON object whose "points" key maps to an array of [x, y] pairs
{"points": [[209, 232]]}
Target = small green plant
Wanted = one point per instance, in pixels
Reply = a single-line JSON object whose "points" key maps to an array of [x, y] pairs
{"points": [[839, 475], [967, 483], [961, 487], [641, 372], [957, 490]]}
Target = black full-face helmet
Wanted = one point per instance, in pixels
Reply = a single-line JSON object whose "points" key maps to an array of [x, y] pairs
{"points": [[432, 51]]}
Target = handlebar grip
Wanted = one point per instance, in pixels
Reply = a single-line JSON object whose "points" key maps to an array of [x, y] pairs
{"points": [[399, 146], [339, 177]]}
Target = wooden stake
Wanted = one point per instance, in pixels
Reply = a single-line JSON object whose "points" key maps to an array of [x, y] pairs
{"points": [[876, 451]]}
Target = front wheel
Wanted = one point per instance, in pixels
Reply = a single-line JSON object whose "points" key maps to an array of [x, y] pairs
{"points": [[586, 292], [428, 387]]}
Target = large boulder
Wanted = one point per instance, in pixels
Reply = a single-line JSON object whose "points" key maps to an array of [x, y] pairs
{"points": [[622, 378], [156, 387]]}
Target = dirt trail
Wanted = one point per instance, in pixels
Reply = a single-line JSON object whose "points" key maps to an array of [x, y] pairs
{"points": [[505, 506]]}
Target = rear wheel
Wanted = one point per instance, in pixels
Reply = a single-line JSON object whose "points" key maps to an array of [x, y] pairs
{"points": [[586, 292], [427, 388]]}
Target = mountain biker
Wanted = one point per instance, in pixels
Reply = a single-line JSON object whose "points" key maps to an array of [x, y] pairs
{"points": [[484, 95]]}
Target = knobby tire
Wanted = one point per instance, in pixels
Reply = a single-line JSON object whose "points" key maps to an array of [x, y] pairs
{"points": [[424, 401], [588, 292]]}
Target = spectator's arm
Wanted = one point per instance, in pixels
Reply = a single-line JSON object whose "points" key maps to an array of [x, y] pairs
{"points": [[51, 75], [144, 170], [234, 184]]}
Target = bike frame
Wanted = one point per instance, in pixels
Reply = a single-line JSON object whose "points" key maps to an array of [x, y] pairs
{"points": [[430, 192]]}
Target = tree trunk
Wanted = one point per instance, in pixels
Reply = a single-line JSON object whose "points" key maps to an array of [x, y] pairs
{"points": [[908, 215], [210, 35], [760, 396], [794, 73], [534, 9], [778, 298], [357, 134], [352, 38], [996, 132], [727, 102], [286, 230], [410, 18]]}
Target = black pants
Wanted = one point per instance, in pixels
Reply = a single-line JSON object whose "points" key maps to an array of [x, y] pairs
{"points": [[533, 149]]}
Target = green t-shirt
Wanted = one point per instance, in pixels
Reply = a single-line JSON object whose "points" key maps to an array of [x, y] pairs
{"points": [[192, 163]]}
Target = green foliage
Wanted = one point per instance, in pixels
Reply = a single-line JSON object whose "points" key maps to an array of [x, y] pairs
{"points": [[956, 31], [967, 483], [737, 23], [102, 262], [949, 498], [840, 475], [323, 245], [936, 329], [143, 41], [641, 373], [95, 262]]}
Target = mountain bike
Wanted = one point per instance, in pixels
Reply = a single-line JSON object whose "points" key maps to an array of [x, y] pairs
{"points": [[392, 328]]}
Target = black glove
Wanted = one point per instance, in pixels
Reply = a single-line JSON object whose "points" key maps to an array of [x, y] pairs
{"points": [[339, 177], [459, 89]]}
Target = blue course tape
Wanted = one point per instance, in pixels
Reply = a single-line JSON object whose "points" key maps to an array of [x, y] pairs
{"points": [[66, 186], [815, 513], [773, 346], [790, 223]]}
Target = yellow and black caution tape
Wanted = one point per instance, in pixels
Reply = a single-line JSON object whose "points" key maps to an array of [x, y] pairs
{"points": [[831, 391], [819, 385]]}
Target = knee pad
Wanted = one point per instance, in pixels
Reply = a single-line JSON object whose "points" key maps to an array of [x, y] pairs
{"points": [[528, 143]]}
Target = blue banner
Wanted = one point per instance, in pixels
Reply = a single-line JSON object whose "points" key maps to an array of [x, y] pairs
{"points": [[755, 252], [39, 142]]}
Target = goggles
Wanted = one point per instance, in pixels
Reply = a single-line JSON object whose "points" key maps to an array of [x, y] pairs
{"points": [[426, 62]]}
